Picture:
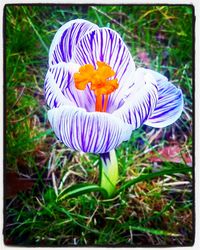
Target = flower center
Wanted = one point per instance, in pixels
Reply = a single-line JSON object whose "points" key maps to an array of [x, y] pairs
{"points": [[99, 80]]}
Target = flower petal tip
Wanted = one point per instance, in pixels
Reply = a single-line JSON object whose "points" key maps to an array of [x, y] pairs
{"points": [[170, 103]]}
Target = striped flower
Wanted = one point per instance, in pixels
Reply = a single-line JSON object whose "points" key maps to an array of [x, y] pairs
{"points": [[95, 94]]}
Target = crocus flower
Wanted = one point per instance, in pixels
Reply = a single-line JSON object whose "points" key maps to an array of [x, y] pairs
{"points": [[96, 95]]}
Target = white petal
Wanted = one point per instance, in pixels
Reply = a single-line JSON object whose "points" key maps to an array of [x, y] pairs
{"points": [[170, 103], [66, 38], [93, 132], [141, 102], [53, 94]]}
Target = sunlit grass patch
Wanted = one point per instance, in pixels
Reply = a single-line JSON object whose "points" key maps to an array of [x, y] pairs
{"points": [[155, 207]]}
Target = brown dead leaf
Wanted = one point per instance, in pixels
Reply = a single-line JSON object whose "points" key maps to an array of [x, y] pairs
{"points": [[171, 153], [15, 184]]}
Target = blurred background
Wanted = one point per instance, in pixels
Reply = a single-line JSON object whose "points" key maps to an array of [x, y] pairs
{"points": [[157, 212]]}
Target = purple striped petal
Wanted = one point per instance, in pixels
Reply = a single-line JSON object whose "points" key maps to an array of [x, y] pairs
{"points": [[53, 94], [62, 76], [107, 46], [140, 104], [66, 38], [170, 103], [57, 80], [93, 132]]}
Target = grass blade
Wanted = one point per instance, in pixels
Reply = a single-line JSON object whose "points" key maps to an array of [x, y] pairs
{"points": [[150, 176], [153, 231], [80, 189], [36, 32]]}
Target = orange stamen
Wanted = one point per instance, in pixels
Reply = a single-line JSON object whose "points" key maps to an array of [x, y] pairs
{"points": [[99, 80], [105, 103], [98, 105]]}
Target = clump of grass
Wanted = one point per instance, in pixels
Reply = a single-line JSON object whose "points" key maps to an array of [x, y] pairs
{"points": [[153, 212]]}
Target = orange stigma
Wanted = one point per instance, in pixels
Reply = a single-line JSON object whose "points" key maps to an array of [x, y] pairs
{"points": [[99, 80]]}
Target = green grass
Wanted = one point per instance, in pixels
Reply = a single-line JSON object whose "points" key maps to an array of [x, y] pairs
{"points": [[155, 207]]}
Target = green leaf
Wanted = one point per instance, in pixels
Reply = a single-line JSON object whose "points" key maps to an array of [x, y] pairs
{"points": [[153, 231], [49, 195], [80, 189], [145, 177]]}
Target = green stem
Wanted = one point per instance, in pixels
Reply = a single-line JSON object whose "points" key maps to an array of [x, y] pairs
{"points": [[109, 172]]}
